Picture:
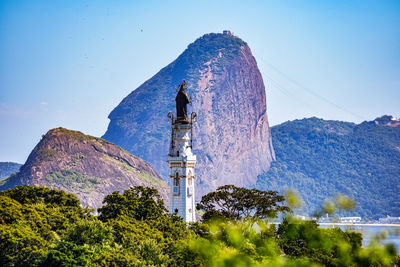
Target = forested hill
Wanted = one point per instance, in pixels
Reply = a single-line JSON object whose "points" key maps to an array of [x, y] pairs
{"points": [[321, 159], [84, 165]]}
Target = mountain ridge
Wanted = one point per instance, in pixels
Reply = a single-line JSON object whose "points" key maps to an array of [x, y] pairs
{"points": [[231, 137], [322, 158], [87, 166]]}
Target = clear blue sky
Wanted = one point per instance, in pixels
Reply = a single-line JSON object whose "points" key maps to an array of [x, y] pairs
{"points": [[69, 63]]}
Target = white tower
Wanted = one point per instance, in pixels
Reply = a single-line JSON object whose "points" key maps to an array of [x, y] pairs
{"points": [[182, 162]]}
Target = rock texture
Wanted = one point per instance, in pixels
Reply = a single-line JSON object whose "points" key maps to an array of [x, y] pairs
{"points": [[86, 166], [231, 138]]}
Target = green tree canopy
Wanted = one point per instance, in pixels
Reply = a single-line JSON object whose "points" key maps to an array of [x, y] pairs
{"points": [[42, 231], [235, 203], [25, 194], [31, 220], [141, 203]]}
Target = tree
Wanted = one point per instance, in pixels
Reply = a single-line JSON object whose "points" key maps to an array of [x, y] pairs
{"points": [[26, 194], [235, 203], [330, 247], [20, 245], [140, 203], [90, 232], [68, 254], [32, 219]]}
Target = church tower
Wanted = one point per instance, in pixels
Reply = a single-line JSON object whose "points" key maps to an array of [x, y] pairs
{"points": [[181, 159]]}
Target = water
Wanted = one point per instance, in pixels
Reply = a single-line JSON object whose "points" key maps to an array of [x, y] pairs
{"points": [[369, 232]]}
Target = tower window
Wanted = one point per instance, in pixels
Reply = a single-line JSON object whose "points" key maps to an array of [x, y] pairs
{"points": [[176, 184], [176, 179]]}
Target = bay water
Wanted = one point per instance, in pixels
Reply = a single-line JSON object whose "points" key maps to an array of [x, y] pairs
{"points": [[385, 233]]}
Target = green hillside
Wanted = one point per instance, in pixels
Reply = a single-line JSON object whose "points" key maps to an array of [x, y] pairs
{"points": [[321, 159]]}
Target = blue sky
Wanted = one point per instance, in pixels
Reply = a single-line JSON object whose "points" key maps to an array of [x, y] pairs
{"points": [[69, 63]]}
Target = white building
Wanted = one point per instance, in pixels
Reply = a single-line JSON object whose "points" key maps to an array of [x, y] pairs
{"points": [[181, 168], [350, 219], [389, 219]]}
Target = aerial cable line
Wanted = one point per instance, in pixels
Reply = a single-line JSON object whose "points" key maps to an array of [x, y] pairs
{"points": [[311, 91], [286, 92], [289, 94]]}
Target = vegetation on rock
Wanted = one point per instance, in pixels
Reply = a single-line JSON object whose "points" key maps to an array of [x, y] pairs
{"points": [[73, 180]]}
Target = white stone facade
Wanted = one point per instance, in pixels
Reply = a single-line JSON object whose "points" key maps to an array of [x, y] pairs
{"points": [[181, 164]]}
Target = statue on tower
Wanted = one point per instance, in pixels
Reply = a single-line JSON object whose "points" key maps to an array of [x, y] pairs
{"points": [[181, 159], [182, 100]]}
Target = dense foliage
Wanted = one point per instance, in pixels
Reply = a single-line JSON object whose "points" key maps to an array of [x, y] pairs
{"points": [[32, 219], [45, 227], [321, 159], [140, 203], [229, 202]]}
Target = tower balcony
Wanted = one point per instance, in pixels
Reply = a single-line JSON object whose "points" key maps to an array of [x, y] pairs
{"points": [[183, 159]]}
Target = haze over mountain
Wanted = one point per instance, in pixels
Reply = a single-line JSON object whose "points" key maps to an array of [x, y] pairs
{"points": [[7, 168], [231, 138], [321, 159], [86, 166]]}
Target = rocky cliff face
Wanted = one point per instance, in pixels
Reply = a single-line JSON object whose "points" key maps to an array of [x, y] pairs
{"points": [[231, 138], [86, 166]]}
